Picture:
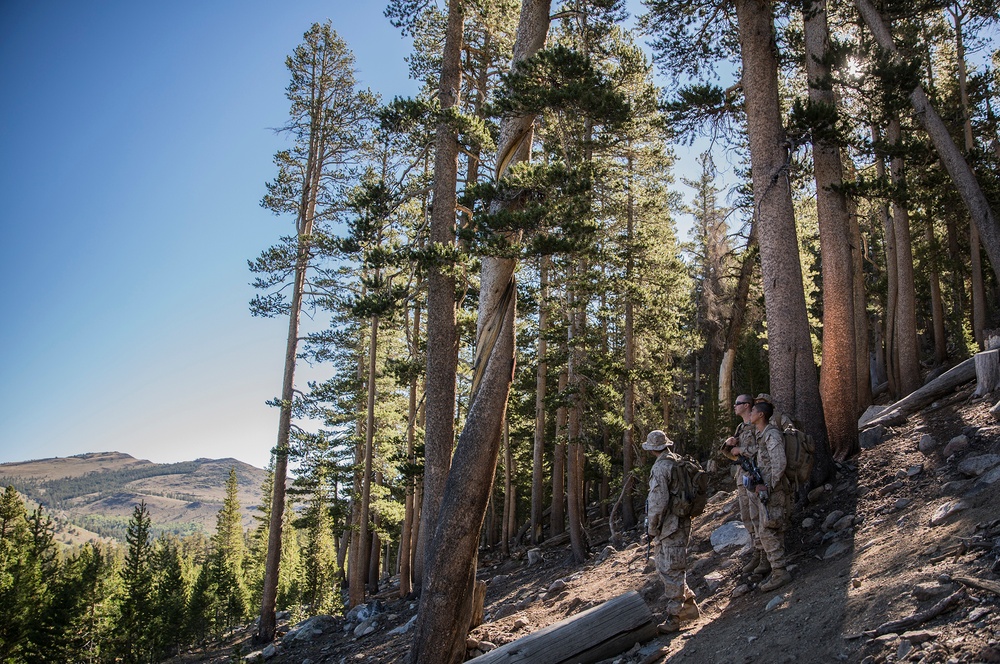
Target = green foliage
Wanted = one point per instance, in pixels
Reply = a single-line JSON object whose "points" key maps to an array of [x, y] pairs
{"points": [[134, 625]]}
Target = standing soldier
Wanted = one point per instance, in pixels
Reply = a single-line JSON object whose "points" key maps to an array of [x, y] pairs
{"points": [[770, 501], [744, 443], [778, 419], [670, 533]]}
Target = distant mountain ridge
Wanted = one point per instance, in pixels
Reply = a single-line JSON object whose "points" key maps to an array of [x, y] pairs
{"points": [[92, 495]]}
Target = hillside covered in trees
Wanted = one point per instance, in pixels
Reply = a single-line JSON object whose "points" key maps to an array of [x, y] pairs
{"points": [[491, 278]]}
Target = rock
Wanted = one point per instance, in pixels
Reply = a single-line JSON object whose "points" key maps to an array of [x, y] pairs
{"points": [[363, 628], [816, 494], [927, 591], [977, 465], [844, 523], [989, 654], [913, 471], [713, 580], [831, 519], [499, 578], [270, 651], [944, 511], [956, 445], [403, 629], [282, 615], [719, 497], [989, 478], [976, 614], [774, 603], [253, 657], [808, 523], [606, 553], [307, 661], [927, 444], [486, 646], [311, 628], [919, 636], [476, 652], [836, 549], [534, 556], [521, 623], [729, 536], [471, 643], [900, 474], [856, 582], [740, 590], [700, 566], [870, 438], [870, 414], [905, 646], [889, 488], [360, 613], [901, 503], [557, 586], [955, 487]]}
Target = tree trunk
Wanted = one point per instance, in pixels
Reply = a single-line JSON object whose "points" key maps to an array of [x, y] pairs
{"points": [[838, 377], [905, 342], [360, 570], [794, 385], [889, 337], [442, 343], [987, 372], [508, 484], [574, 444], [445, 608], [628, 436], [405, 555], [937, 303], [538, 468], [961, 174], [557, 515]]}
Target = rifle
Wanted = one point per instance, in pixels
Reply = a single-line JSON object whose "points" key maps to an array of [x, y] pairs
{"points": [[753, 479]]}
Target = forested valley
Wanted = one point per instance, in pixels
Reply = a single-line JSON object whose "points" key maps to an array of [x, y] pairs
{"points": [[492, 278]]}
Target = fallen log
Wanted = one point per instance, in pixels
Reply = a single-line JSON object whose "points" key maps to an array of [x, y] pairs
{"points": [[896, 626], [981, 584], [946, 382], [595, 634]]}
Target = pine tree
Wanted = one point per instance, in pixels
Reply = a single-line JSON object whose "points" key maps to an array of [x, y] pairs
{"points": [[228, 557], [136, 605]]}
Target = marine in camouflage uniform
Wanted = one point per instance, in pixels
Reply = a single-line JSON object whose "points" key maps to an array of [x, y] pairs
{"points": [[772, 516], [744, 443], [669, 533]]}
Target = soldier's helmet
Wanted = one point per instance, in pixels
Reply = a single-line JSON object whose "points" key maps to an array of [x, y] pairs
{"points": [[765, 397], [657, 441]]}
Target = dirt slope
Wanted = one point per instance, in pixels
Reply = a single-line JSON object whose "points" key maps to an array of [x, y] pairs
{"points": [[886, 563]]}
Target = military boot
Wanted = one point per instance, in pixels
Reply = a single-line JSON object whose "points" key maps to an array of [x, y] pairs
{"points": [[689, 611], [763, 568], [753, 562], [669, 626], [779, 577]]}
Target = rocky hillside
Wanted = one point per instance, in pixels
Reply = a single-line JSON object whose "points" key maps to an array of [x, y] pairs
{"points": [[92, 495], [895, 559]]}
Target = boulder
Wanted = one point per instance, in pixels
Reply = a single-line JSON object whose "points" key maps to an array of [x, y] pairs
{"points": [[831, 519], [844, 523], [928, 591], [728, 536], [311, 628], [403, 629], [836, 549], [977, 465], [956, 445], [870, 438], [870, 414], [534, 556], [557, 586]]}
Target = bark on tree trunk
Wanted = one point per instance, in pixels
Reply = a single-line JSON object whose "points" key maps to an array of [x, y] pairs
{"points": [[628, 460], [508, 485], [442, 342], [961, 174], [838, 377], [445, 608], [794, 385], [574, 444], [891, 364], [405, 556], [557, 515], [360, 570], [937, 303], [987, 372], [538, 469]]}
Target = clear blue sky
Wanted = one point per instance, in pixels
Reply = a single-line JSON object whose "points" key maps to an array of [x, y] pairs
{"points": [[135, 146]]}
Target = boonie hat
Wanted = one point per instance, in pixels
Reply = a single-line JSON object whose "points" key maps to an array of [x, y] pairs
{"points": [[764, 396], [656, 441]]}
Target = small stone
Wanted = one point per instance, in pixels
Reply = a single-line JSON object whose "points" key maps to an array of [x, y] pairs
{"points": [[919, 636], [606, 553], [557, 586], [740, 590], [808, 523], [988, 478], [927, 444], [926, 591], [900, 474], [871, 437], [844, 523], [889, 488], [901, 503], [471, 643], [904, 649], [499, 578], [831, 519], [913, 471], [730, 535], [534, 556], [816, 494], [976, 614], [856, 582], [270, 651], [713, 581], [487, 646], [955, 487], [956, 445], [521, 623], [942, 513], [774, 603], [887, 638]]}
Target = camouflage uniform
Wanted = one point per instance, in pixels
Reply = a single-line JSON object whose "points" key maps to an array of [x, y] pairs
{"points": [[747, 438], [670, 534], [772, 518]]}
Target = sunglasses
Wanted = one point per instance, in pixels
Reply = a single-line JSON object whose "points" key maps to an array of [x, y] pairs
{"points": [[742, 403]]}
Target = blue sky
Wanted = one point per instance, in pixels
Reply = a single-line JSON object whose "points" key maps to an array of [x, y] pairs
{"points": [[135, 146]]}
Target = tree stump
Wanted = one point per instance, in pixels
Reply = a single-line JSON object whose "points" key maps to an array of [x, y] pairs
{"points": [[598, 633], [987, 372], [478, 604]]}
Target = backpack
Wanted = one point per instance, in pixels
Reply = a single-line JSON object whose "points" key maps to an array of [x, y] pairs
{"points": [[692, 488], [800, 455]]}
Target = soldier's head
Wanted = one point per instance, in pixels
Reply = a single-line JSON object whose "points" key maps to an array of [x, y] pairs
{"points": [[762, 412], [657, 441], [742, 404]]}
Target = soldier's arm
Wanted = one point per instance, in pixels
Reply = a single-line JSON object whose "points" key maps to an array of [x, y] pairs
{"points": [[776, 450]]}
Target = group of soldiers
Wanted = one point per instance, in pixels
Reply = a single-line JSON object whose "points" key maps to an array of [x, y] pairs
{"points": [[765, 501]]}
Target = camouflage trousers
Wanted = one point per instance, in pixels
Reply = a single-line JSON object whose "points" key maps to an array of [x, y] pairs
{"points": [[743, 499], [771, 521], [671, 564]]}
